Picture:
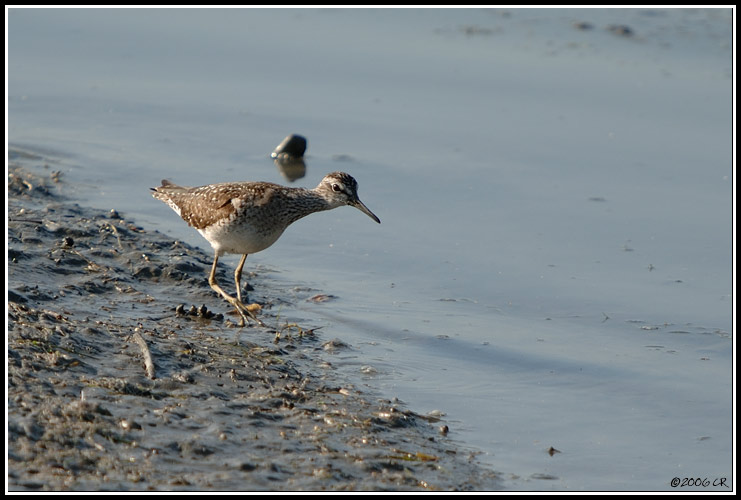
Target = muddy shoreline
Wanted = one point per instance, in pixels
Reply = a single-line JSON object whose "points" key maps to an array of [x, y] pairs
{"points": [[125, 372]]}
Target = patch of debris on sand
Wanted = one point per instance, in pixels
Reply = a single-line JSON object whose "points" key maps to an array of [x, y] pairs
{"points": [[110, 388]]}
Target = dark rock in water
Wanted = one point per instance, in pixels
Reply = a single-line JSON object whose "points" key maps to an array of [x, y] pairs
{"points": [[293, 146], [288, 157]]}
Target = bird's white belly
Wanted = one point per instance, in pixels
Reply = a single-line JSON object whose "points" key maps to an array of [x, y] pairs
{"points": [[239, 238]]}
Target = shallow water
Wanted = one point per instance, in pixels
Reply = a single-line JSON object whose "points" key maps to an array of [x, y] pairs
{"points": [[553, 267]]}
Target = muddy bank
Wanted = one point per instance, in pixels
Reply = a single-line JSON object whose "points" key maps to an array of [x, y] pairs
{"points": [[119, 378]]}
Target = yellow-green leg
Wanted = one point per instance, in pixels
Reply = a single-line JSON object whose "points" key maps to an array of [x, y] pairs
{"points": [[238, 276], [244, 313]]}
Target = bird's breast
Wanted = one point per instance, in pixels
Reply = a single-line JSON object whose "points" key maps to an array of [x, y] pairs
{"points": [[240, 238]]}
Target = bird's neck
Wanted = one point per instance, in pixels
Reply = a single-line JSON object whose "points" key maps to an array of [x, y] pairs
{"points": [[310, 201]]}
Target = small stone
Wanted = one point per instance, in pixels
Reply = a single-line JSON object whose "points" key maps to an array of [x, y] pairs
{"points": [[293, 146]]}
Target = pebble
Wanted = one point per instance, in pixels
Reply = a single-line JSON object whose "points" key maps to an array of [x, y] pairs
{"points": [[293, 146]]}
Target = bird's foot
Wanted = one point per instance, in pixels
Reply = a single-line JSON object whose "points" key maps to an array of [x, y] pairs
{"points": [[246, 312]]}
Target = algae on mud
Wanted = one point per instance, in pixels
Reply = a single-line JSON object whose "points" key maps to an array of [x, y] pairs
{"points": [[91, 295]]}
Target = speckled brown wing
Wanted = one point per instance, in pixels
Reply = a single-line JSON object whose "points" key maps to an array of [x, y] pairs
{"points": [[203, 206]]}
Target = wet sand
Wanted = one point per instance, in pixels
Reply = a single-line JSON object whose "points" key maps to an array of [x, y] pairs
{"points": [[113, 386]]}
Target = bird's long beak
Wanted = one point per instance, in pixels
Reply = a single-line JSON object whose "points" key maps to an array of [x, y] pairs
{"points": [[360, 206]]}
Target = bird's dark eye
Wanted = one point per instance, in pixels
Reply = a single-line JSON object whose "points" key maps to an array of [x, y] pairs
{"points": [[336, 188]]}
